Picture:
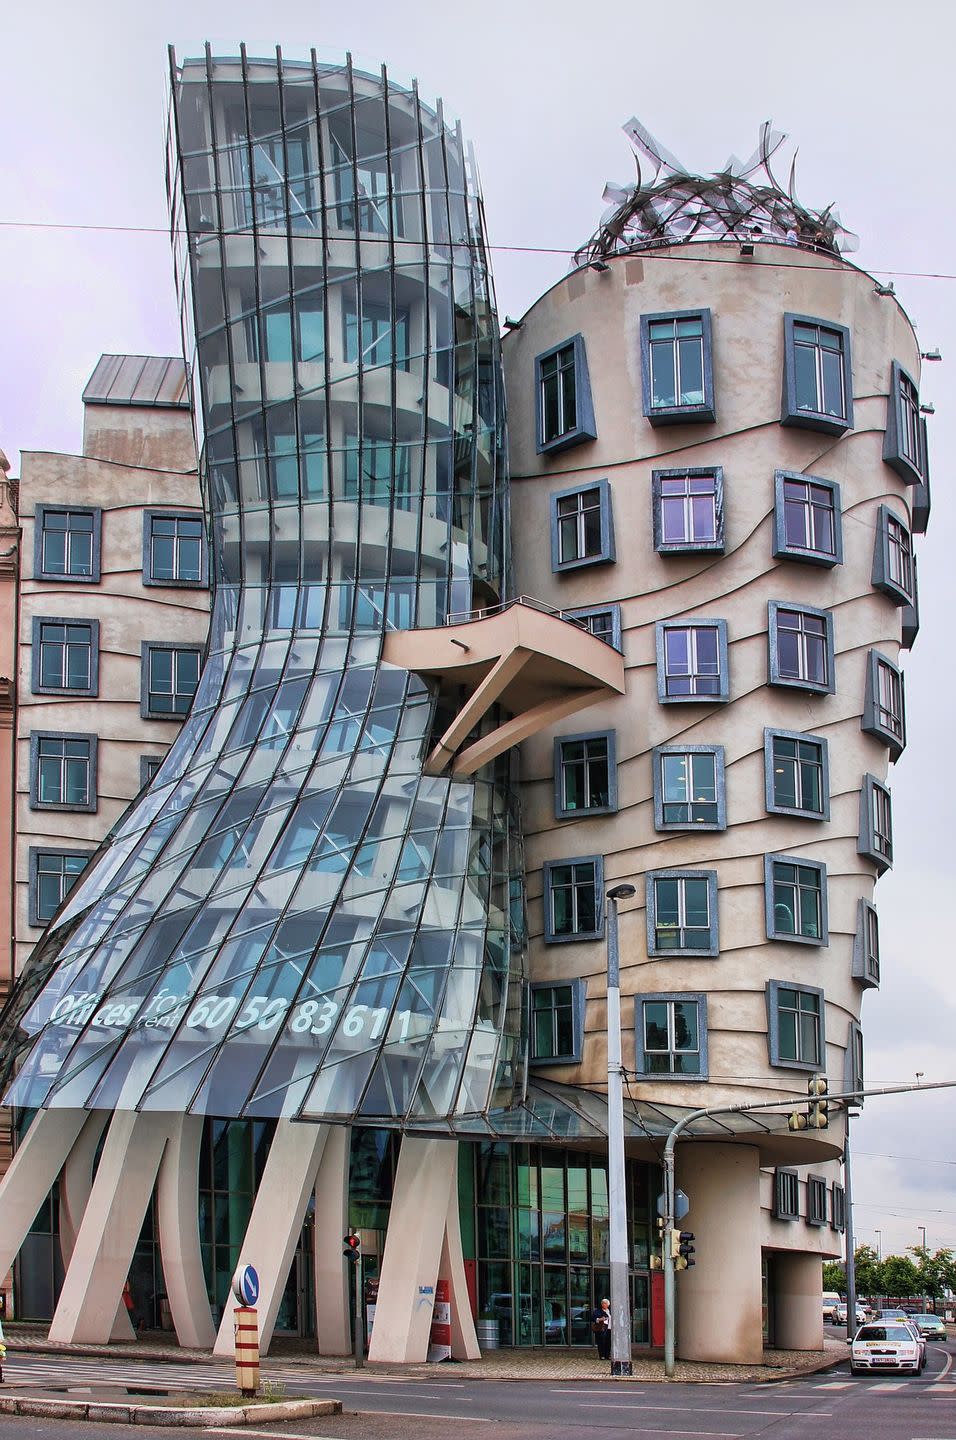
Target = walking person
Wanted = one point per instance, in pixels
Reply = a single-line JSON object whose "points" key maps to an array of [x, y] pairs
{"points": [[601, 1329]]}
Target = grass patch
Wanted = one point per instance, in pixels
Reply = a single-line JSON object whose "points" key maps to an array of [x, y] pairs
{"points": [[270, 1394]]}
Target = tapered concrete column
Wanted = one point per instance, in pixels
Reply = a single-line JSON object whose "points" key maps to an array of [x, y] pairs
{"points": [[76, 1182], [464, 1340], [332, 1331], [425, 1181], [110, 1228], [274, 1225], [797, 1281], [177, 1207], [719, 1304], [38, 1161]]}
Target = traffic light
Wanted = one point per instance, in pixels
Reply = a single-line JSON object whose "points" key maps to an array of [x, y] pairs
{"points": [[353, 1247], [818, 1110], [685, 1249]]}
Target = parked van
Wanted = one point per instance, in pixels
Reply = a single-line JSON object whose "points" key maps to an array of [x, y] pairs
{"points": [[831, 1300]]}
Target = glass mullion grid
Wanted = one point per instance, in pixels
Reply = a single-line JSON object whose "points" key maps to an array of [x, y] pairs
{"points": [[556, 1017], [590, 770], [577, 886], [692, 776], [808, 516], [802, 762], [678, 937], [828, 378], [679, 497], [671, 353], [574, 512], [701, 677], [808, 634], [882, 821], [871, 941], [63, 772], [889, 699], [672, 1052], [899, 555], [799, 896], [798, 1022], [909, 422]]}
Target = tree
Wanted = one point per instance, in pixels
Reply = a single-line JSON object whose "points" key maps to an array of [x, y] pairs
{"points": [[900, 1276], [937, 1272], [869, 1271], [834, 1276]]}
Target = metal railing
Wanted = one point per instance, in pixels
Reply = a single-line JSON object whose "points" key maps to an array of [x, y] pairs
{"points": [[463, 617]]}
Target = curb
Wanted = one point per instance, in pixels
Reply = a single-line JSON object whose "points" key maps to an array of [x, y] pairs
{"points": [[111, 1412]]}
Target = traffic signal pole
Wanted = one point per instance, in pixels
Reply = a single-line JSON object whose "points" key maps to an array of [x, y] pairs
{"points": [[847, 1096]]}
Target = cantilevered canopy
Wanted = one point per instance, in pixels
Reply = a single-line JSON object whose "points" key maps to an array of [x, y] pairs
{"points": [[534, 663]]}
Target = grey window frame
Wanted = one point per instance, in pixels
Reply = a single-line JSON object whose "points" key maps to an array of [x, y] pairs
{"points": [[550, 936], [873, 707], [688, 547], [145, 764], [606, 554], [91, 741], [148, 647], [808, 1067], [786, 1193], [167, 514], [837, 1207], [815, 419], [806, 738], [36, 851], [882, 576], [909, 469], [679, 414], [854, 1059], [684, 997], [817, 1200], [560, 811], [586, 611], [584, 427], [769, 913], [77, 691], [787, 682], [657, 756], [577, 987], [921, 501], [868, 840], [682, 872], [723, 693], [782, 550], [909, 614], [40, 512], [866, 964]]}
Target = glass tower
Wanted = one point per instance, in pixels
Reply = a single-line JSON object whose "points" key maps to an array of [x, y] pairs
{"points": [[294, 920]]}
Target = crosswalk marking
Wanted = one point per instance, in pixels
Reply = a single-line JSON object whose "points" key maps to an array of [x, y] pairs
{"points": [[889, 1385], [834, 1385]]}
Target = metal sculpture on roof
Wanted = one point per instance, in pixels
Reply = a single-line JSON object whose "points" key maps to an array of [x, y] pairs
{"points": [[742, 201]]}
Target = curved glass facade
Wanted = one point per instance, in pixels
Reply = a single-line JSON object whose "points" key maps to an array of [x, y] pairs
{"points": [[293, 920]]}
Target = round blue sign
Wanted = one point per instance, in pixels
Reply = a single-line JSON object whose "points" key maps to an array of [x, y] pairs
{"points": [[245, 1285]]}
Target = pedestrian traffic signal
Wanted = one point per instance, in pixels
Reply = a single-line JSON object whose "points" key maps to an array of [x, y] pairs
{"points": [[685, 1250], [353, 1247], [818, 1111]]}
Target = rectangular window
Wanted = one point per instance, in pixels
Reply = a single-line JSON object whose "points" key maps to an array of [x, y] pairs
{"points": [[893, 557], [557, 1021], [573, 899], [603, 622], [853, 1078], [688, 511], [581, 527], [921, 500], [309, 332], [563, 408], [376, 471], [816, 1200], [818, 389], [384, 338], [797, 774], [876, 823], [692, 661], [866, 945], [62, 771], [796, 899], [67, 544], [837, 1208], [903, 440], [677, 367], [279, 184], [672, 1036], [371, 174], [65, 656], [786, 1194], [170, 678], [585, 778], [53, 873], [682, 912], [883, 709], [807, 522], [689, 787], [174, 551], [149, 768], [909, 615], [796, 1025], [801, 647]]}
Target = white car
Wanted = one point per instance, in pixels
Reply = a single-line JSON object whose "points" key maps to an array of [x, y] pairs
{"points": [[861, 1314], [886, 1346]]}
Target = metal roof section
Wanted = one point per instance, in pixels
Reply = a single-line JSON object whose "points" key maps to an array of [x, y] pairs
{"points": [[155, 380]]}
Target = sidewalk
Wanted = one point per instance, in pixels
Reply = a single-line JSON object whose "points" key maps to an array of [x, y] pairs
{"points": [[545, 1363]]}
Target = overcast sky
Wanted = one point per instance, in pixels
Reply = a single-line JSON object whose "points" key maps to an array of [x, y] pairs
{"points": [[863, 87]]}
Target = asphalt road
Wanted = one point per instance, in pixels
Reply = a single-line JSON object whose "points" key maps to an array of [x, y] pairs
{"points": [[390, 1408]]}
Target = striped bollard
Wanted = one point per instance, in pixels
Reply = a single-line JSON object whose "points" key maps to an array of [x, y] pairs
{"points": [[247, 1350]]}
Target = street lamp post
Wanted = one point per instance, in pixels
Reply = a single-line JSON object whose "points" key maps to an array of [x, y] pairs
{"points": [[616, 1173], [922, 1231], [879, 1245]]}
